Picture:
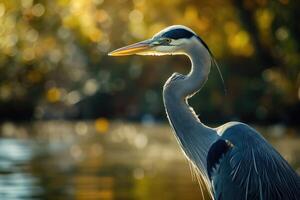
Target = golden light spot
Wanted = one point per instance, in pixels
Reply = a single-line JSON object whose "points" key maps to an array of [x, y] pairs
{"points": [[81, 128], [32, 35], [11, 40], [264, 18], [72, 98], [138, 30], [101, 125], [101, 16], [38, 10], [240, 43], [90, 87], [136, 24], [282, 33], [240, 39], [136, 16], [95, 35], [28, 54], [53, 95], [140, 141]]}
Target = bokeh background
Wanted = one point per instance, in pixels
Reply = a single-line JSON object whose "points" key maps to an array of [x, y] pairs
{"points": [[77, 124]]}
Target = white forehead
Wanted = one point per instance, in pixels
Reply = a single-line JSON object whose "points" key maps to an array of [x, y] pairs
{"points": [[169, 28]]}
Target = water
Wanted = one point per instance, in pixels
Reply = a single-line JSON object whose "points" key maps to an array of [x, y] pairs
{"points": [[102, 160]]}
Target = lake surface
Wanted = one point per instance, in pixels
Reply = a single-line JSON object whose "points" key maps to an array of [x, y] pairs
{"points": [[105, 160]]}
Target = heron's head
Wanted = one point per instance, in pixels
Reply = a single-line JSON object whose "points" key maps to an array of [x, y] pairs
{"points": [[170, 41]]}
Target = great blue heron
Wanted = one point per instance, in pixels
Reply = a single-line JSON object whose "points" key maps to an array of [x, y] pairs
{"points": [[234, 160]]}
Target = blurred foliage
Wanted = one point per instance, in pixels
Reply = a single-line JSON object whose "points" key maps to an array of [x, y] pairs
{"points": [[53, 61]]}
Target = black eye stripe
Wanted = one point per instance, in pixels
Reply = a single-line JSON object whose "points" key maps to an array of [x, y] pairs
{"points": [[180, 33]]}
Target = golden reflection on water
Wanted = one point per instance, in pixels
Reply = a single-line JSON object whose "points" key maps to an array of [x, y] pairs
{"points": [[71, 160]]}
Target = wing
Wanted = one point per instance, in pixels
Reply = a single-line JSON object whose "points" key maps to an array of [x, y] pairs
{"points": [[246, 166]]}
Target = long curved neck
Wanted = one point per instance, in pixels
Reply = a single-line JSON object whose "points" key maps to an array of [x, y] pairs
{"points": [[176, 94], [201, 63], [194, 137]]}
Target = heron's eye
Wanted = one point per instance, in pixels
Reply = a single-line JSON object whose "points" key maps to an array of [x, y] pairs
{"points": [[167, 40], [164, 41]]}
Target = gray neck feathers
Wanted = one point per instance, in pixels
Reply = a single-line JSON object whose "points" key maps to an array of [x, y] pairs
{"points": [[201, 63], [193, 136]]}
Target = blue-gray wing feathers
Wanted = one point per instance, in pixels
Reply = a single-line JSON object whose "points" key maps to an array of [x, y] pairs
{"points": [[250, 168]]}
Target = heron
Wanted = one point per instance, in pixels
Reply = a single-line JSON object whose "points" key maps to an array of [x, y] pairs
{"points": [[234, 161]]}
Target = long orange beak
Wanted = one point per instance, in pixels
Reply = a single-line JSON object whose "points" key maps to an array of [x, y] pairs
{"points": [[136, 48]]}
